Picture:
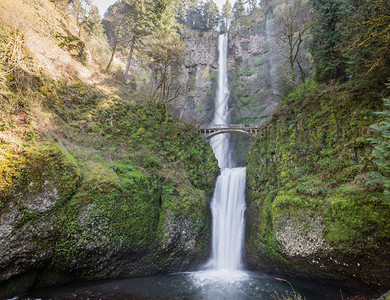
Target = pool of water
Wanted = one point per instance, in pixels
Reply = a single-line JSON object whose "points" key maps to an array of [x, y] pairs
{"points": [[207, 285]]}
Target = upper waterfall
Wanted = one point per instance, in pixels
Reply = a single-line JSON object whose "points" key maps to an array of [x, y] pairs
{"points": [[220, 143]]}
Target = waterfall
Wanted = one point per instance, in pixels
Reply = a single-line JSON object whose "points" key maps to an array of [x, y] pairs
{"points": [[220, 143], [228, 204], [274, 61]]}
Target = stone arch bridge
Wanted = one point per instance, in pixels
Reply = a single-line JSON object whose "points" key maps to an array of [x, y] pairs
{"points": [[250, 130]]}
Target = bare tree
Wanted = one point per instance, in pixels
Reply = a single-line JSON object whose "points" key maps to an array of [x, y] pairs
{"points": [[166, 54], [294, 17], [84, 10], [116, 26]]}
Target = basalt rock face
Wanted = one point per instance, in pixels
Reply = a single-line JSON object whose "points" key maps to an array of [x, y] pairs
{"points": [[46, 177], [199, 77], [255, 71], [62, 224], [255, 67], [316, 206]]}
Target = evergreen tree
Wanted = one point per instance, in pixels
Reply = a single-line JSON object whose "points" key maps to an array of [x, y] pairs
{"points": [[165, 51], [226, 16], [140, 18], [327, 34], [194, 14], [116, 27], [252, 4], [238, 9], [210, 15], [85, 13], [381, 150], [94, 24]]}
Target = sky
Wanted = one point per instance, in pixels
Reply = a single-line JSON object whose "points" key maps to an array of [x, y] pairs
{"points": [[104, 4]]}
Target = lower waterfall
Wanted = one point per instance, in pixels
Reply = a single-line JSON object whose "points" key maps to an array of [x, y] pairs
{"points": [[228, 207]]}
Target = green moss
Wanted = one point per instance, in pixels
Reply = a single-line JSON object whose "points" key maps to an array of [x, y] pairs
{"points": [[127, 168], [260, 238], [357, 218], [44, 173], [314, 157], [121, 207]]}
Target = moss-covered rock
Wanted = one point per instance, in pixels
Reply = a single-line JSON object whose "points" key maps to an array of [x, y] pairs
{"points": [[139, 205], [123, 223], [316, 202], [94, 184], [44, 178]]}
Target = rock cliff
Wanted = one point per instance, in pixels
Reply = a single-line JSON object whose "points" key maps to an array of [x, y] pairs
{"points": [[316, 207], [64, 219], [96, 181], [200, 69], [254, 65]]}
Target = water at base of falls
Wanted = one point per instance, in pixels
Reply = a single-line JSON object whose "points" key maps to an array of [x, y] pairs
{"points": [[191, 286]]}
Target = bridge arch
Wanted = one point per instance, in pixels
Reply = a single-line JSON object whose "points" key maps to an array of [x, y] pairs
{"points": [[248, 130], [212, 134]]}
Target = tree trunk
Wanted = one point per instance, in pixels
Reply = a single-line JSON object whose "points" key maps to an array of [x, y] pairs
{"points": [[292, 66], [114, 48], [303, 75], [292, 73], [112, 56], [132, 44]]}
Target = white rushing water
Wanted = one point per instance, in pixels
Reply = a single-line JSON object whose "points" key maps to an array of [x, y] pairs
{"points": [[220, 143], [228, 204]]}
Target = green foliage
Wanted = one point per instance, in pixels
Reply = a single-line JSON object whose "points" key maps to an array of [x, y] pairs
{"points": [[328, 61], [312, 187], [381, 150], [73, 45], [307, 89], [238, 9], [226, 16], [87, 16], [371, 43], [351, 38], [210, 15], [203, 16], [314, 155], [293, 295]]}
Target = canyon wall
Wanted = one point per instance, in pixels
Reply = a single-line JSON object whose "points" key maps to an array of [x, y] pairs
{"points": [[254, 65]]}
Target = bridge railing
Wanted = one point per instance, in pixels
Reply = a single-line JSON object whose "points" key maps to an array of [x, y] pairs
{"points": [[231, 126]]}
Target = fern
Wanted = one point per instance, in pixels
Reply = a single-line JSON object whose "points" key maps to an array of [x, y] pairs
{"points": [[381, 152]]}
